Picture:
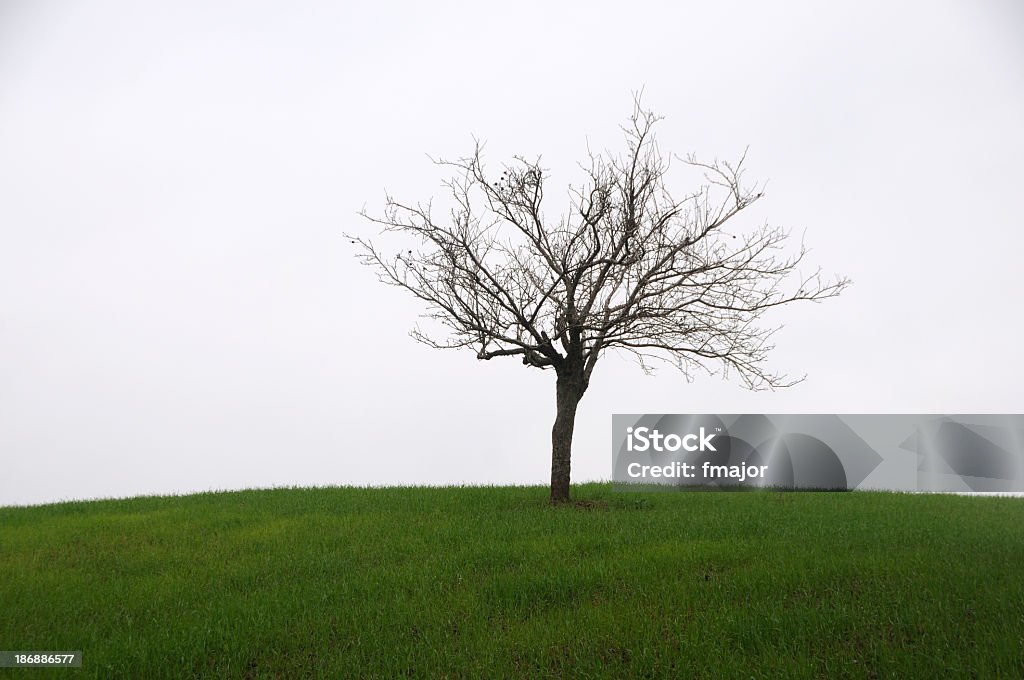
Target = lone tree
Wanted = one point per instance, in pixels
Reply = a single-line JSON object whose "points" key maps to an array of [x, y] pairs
{"points": [[629, 268]]}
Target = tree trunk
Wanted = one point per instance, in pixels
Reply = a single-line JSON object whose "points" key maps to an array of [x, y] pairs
{"points": [[568, 392]]}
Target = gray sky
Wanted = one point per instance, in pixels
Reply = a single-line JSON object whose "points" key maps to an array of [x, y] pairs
{"points": [[179, 310]]}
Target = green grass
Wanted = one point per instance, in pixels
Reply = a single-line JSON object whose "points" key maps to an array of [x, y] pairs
{"points": [[491, 582]]}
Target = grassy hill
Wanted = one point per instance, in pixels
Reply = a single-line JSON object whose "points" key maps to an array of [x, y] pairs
{"points": [[491, 582]]}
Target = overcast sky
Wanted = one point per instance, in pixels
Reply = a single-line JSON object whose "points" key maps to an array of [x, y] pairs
{"points": [[179, 310]]}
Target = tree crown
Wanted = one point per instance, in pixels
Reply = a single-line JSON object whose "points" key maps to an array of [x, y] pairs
{"points": [[630, 267]]}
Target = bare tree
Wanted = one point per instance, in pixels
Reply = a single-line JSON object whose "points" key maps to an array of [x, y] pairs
{"points": [[629, 268]]}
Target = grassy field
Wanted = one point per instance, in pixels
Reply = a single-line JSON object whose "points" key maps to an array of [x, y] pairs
{"points": [[491, 582]]}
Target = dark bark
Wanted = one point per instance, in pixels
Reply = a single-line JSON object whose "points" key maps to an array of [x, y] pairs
{"points": [[568, 391]]}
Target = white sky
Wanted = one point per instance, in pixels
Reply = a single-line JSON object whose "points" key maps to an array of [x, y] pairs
{"points": [[179, 310]]}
